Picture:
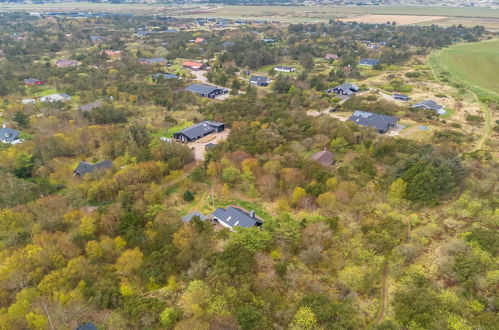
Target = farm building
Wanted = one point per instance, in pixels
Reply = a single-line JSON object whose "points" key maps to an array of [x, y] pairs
{"points": [[85, 168], [235, 217], [206, 90], [281, 68], [260, 80], [197, 131], [380, 122]]}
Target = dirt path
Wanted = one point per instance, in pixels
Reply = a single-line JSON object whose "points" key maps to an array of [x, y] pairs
{"points": [[384, 293]]}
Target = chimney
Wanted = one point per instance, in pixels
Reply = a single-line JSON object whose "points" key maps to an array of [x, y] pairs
{"points": [[252, 213]]}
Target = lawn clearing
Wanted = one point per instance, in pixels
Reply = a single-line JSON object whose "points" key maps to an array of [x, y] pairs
{"points": [[475, 65]]}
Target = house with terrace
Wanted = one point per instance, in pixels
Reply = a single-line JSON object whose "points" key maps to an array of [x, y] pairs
{"points": [[232, 217], [196, 66], [430, 105], [199, 130], [10, 136], [84, 168], [369, 62], [259, 80], [33, 82], [153, 61], [287, 69], [165, 76], [346, 89], [52, 98], [66, 63], [380, 122], [208, 91]]}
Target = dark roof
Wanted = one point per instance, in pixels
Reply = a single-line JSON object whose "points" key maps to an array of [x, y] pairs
{"points": [[379, 121], [348, 88], [87, 326], [324, 157], [90, 106], [286, 68], [152, 60], [369, 61], [9, 135], [85, 168], [260, 79], [200, 129], [189, 216], [234, 216], [401, 96], [165, 75], [429, 104], [201, 88]]}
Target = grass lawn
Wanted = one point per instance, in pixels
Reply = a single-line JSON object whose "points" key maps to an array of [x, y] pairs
{"points": [[474, 65], [169, 132]]}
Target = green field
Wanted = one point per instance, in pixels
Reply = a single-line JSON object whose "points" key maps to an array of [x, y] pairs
{"points": [[475, 65]]}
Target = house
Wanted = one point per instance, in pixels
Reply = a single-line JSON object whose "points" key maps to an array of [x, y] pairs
{"points": [[197, 131], [190, 216], [330, 57], [193, 65], [369, 62], [85, 168], [66, 63], [55, 98], [87, 326], [345, 89], [9, 135], [260, 80], [401, 97], [152, 61], [430, 105], [90, 106], [96, 38], [324, 157], [165, 76], [235, 217], [112, 52], [281, 68], [199, 40], [228, 43], [268, 40], [378, 121], [206, 90], [32, 82], [28, 101]]}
